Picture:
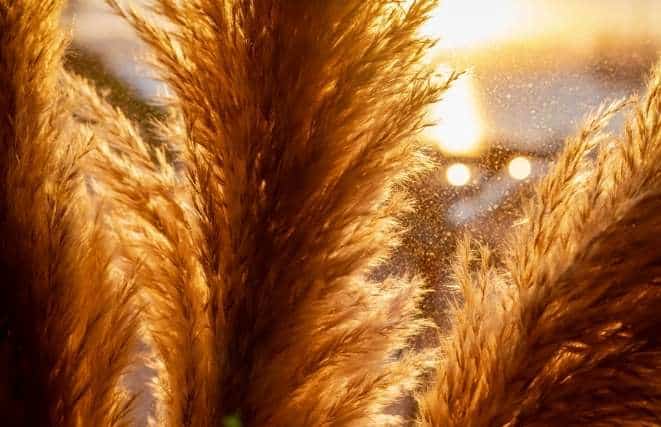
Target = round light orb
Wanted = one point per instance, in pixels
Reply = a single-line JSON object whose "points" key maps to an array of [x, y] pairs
{"points": [[458, 174], [519, 168]]}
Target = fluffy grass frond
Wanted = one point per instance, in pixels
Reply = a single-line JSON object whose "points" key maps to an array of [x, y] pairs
{"points": [[571, 340], [157, 233], [299, 121], [66, 329]]}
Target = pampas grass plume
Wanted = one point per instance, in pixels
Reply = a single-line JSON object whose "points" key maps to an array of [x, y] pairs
{"points": [[565, 333], [67, 328]]}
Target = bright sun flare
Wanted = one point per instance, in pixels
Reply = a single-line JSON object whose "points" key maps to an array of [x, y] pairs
{"points": [[461, 24], [459, 127], [470, 23]]}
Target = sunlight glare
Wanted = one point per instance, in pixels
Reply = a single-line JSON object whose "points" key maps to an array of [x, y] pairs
{"points": [[469, 23], [458, 129], [462, 25]]}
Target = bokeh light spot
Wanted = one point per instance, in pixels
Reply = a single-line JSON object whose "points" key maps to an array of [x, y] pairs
{"points": [[519, 168], [458, 174]]}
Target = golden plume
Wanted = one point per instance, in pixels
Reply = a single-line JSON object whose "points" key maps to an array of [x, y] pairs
{"points": [[67, 331], [299, 121], [566, 333]]}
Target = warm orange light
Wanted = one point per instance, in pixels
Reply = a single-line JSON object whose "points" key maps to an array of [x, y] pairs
{"points": [[519, 168], [467, 24], [459, 126], [470, 23], [458, 174]]}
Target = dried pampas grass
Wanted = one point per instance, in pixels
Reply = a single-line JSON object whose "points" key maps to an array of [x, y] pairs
{"points": [[299, 120], [67, 330], [152, 219], [565, 334]]}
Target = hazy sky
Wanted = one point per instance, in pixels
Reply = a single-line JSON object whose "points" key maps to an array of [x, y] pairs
{"points": [[472, 23]]}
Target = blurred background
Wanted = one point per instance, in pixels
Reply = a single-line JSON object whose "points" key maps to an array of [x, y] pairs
{"points": [[534, 69]]}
